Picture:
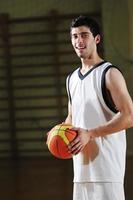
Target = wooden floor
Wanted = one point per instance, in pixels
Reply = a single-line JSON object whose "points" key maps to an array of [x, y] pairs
{"points": [[45, 179]]}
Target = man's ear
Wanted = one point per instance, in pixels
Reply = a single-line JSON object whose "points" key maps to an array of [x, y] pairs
{"points": [[98, 39]]}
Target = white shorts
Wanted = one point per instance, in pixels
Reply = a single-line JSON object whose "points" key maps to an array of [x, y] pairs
{"points": [[98, 191]]}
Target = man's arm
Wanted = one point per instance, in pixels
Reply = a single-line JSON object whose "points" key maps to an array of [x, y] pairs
{"points": [[115, 83], [69, 116]]}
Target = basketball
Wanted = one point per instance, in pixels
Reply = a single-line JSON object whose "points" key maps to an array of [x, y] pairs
{"points": [[58, 139]]}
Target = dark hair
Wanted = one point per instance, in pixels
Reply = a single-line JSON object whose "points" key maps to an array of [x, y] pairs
{"points": [[88, 22]]}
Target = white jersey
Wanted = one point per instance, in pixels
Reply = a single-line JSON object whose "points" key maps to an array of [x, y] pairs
{"points": [[103, 159]]}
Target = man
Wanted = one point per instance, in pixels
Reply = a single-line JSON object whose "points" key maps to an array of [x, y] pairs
{"points": [[100, 108]]}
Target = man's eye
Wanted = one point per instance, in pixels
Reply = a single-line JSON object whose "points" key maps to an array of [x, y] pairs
{"points": [[85, 35], [75, 36]]}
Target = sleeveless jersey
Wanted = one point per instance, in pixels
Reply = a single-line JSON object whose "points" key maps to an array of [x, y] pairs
{"points": [[102, 159]]}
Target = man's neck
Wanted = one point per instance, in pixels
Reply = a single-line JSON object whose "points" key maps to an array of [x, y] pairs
{"points": [[87, 64]]}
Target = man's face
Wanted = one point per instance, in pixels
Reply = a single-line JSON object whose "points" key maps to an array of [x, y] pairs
{"points": [[83, 41]]}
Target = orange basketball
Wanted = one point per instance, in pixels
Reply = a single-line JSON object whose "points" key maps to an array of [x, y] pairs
{"points": [[58, 139]]}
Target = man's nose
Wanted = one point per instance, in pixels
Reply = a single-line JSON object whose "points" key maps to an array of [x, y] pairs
{"points": [[80, 39]]}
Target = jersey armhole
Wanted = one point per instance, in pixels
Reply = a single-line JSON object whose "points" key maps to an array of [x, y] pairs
{"points": [[105, 92], [68, 88]]}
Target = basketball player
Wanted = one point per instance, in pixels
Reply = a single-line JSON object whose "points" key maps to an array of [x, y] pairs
{"points": [[100, 108]]}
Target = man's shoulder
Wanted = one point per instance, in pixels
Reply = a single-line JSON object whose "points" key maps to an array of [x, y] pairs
{"points": [[75, 72]]}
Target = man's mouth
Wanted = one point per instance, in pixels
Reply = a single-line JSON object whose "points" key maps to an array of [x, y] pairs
{"points": [[80, 48]]}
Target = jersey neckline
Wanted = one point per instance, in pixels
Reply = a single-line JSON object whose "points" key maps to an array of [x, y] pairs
{"points": [[81, 76]]}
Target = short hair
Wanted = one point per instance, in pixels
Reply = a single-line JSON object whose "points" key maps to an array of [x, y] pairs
{"points": [[88, 22]]}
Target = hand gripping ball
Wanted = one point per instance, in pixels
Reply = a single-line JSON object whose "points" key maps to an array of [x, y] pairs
{"points": [[58, 139]]}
